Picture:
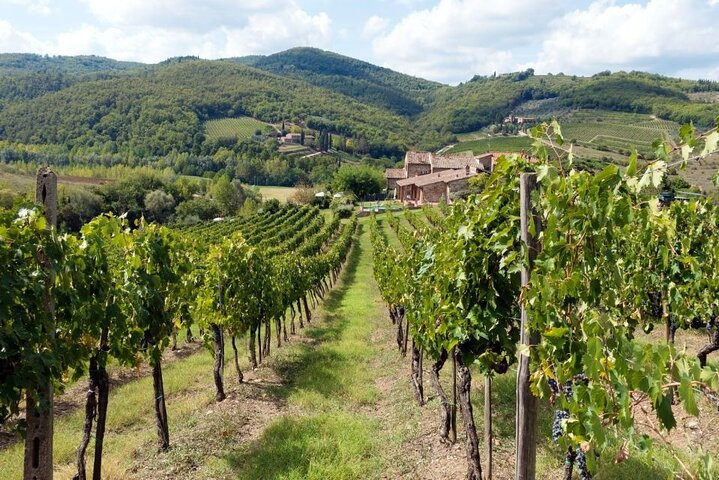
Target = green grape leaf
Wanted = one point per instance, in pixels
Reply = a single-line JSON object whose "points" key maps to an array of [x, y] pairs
{"points": [[665, 413], [711, 143], [686, 393], [632, 167]]}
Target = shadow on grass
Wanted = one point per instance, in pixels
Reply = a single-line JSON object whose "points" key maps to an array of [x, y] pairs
{"points": [[311, 367], [318, 447]]}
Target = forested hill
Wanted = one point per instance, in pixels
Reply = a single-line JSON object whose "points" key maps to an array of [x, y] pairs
{"points": [[486, 100], [163, 109], [403, 94], [24, 76], [101, 105], [81, 64]]}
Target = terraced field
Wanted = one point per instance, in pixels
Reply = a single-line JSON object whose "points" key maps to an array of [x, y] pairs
{"points": [[240, 128], [616, 131]]}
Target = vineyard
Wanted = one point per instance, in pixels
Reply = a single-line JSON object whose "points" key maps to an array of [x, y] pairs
{"points": [[617, 131], [566, 295], [562, 272], [240, 128], [116, 295]]}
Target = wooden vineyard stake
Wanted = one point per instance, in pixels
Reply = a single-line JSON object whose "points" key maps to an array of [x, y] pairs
{"points": [[526, 428], [38, 442]]}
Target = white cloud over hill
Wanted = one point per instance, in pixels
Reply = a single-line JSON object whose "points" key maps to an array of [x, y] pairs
{"points": [[466, 36]]}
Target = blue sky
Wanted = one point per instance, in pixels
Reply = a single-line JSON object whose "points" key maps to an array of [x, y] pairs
{"points": [[443, 40]]}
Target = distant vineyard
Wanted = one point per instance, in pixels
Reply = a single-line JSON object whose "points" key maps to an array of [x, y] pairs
{"points": [[616, 131], [240, 128]]}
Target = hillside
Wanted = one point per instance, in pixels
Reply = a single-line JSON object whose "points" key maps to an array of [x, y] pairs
{"points": [[486, 100], [161, 110], [24, 76], [92, 105], [368, 83]]}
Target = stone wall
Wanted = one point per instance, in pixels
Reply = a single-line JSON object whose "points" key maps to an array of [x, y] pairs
{"points": [[433, 192], [414, 169]]}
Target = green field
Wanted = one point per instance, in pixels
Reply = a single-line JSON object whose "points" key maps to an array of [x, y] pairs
{"points": [[240, 128], [280, 193], [494, 144], [292, 149]]}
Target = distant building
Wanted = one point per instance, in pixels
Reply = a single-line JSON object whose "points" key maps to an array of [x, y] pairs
{"points": [[417, 163], [427, 178], [393, 175], [292, 138], [434, 187], [520, 120]]}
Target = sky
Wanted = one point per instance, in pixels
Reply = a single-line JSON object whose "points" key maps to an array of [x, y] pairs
{"points": [[444, 40]]}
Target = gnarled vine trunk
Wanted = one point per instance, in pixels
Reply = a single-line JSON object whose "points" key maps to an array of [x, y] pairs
{"points": [[446, 424], [219, 361], [163, 431], [400, 334], [240, 377], [307, 310], [569, 464], [712, 346], [417, 374], [474, 466], [299, 311], [103, 396], [90, 407], [251, 348]]}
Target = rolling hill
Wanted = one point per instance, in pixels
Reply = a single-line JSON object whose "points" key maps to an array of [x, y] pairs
{"points": [[365, 82], [92, 104], [162, 109]]}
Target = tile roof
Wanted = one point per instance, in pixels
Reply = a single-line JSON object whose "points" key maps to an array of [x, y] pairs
{"points": [[455, 162], [394, 173], [448, 176], [421, 158]]}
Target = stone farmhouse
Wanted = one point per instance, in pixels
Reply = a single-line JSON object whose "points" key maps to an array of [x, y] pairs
{"points": [[292, 138], [520, 120], [430, 178]]}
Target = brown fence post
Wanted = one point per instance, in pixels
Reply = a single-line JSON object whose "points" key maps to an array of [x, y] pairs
{"points": [[38, 443], [526, 428]]}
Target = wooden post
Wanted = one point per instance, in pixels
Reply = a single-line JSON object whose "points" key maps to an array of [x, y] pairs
{"points": [[488, 422], [526, 428], [46, 194], [39, 415]]}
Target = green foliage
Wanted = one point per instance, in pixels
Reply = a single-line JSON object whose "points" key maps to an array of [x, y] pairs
{"points": [[229, 195], [159, 206], [201, 208], [360, 180], [605, 247], [156, 112]]}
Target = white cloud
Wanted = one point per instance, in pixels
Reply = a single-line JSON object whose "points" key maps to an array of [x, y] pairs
{"points": [[659, 35], [374, 25], [153, 31], [458, 38], [12, 40], [184, 14], [41, 7]]}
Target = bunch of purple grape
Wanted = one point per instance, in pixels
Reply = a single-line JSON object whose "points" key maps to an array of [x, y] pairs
{"points": [[557, 431]]}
